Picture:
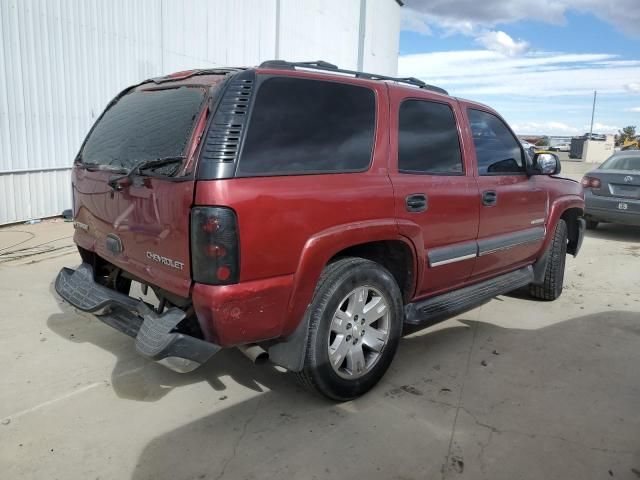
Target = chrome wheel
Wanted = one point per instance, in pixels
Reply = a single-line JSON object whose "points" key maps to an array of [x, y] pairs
{"points": [[359, 332]]}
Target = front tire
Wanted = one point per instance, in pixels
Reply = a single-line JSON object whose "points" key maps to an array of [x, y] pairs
{"points": [[355, 325], [551, 287]]}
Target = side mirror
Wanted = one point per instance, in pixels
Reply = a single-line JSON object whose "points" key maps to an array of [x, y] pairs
{"points": [[547, 163]]}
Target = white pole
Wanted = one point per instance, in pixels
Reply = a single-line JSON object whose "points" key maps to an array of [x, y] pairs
{"points": [[593, 112]]}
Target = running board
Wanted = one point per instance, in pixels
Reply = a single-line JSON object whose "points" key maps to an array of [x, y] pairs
{"points": [[459, 301]]}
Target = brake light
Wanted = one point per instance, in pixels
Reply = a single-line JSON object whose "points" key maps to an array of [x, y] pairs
{"points": [[590, 182], [181, 74], [214, 246]]}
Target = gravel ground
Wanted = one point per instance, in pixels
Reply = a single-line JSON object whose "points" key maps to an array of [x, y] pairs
{"points": [[514, 389]]}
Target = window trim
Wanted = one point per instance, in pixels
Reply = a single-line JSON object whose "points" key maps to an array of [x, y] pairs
{"points": [[260, 80], [406, 171], [523, 157]]}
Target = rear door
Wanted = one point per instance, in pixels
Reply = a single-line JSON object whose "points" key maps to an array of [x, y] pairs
{"points": [[141, 224], [514, 206], [436, 196]]}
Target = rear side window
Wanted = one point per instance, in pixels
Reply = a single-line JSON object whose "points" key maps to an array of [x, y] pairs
{"points": [[497, 150], [144, 125], [621, 162], [428, 139], [300, 126]]}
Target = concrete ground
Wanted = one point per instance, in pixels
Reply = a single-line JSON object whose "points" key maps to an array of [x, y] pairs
{"points": [[516, 389]]}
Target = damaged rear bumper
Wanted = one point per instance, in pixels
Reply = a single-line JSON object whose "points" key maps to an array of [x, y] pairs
{"points": [[153, 332]]}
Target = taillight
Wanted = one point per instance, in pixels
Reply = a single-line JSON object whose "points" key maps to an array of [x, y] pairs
{"points": [[590, 182], [214, 246]]}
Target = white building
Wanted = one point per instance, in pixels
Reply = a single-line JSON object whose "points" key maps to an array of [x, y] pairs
{"points": [[61, 62]]}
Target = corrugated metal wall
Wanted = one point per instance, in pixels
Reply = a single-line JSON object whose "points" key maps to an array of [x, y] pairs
{"points": [[62, 61]]}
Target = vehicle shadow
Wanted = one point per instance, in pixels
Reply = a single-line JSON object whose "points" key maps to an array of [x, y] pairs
{"points": [[136, 378], [617, 232], [566, 394]]}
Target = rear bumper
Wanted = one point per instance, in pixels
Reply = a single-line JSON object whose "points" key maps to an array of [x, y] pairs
{"points": [[606, 209], [154, 333]]}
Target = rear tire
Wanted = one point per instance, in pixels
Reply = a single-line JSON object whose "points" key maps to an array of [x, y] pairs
{"points": [[355, 325], [592, 224], [551, 287]]}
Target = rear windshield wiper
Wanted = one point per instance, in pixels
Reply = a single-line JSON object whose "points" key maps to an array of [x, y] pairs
{"points": [[93, 167], [117, 182]]}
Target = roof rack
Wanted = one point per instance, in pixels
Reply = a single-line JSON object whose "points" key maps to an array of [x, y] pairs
{"points": [[330, 67]]}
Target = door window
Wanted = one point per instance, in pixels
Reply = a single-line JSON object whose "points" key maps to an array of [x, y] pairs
{"points": [[428, 140], [498, 152]]}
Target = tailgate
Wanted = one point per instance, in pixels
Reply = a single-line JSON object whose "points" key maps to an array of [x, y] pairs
{"points": [[150, 221]]}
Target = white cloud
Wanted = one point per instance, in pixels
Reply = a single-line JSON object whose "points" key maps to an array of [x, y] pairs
{"points": [[540, 92], [499, 41], [539, 74], [416, 22], [458, 15], [603, 128], [560, 128], [633, 87], [633, 109], [544, 128]]}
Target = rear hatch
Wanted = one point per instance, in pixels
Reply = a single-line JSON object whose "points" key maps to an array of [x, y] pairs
{"points": [[132, 184]]}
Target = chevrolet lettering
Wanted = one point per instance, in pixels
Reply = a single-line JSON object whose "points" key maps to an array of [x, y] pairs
{"points": [[169, 262]]}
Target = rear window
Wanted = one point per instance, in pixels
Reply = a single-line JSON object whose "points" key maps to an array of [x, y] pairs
{"points": [[622, 163], [144, 125], [301, 126]]}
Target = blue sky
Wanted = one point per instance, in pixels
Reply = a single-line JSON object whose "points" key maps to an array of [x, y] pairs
{"points": [[536, 61]]}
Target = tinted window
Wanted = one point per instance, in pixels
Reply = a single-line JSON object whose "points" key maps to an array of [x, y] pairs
{"points": [[144, 125], [428, 139], [622, 162], [308, 126], [497, 150]]}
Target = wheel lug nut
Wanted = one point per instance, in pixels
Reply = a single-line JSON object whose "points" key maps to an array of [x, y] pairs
{"points": [[355, 317], [348, 338], [362, 322], [362, 333], [349, 326], [355, 341]]}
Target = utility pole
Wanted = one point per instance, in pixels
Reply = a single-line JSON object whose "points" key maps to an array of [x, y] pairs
{"points": [[593, 112]]}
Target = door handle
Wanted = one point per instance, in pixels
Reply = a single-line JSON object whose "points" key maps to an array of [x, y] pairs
{"points": [[416, 202], [489, 198]]}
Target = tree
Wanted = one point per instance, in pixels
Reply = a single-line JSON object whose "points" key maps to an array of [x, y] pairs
{"points": [[627, 133], [543, 142]]}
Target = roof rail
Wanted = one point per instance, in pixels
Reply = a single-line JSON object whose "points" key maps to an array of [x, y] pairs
{"points": [[330, 67]]}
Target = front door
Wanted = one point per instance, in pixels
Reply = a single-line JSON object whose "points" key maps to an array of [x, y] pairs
{"points": [[436, 196], [513, 210]]}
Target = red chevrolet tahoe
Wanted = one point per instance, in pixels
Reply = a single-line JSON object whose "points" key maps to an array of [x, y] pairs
{"points": [[307, 213]]}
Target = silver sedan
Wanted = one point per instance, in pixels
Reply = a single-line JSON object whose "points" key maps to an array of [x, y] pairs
{"points": [[612, 191]]}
